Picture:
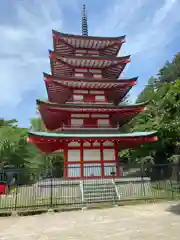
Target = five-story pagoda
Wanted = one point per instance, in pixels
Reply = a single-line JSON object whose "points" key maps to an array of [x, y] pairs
{"points": [[83, 115]]}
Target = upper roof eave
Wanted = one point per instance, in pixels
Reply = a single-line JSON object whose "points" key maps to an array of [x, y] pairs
{"points": [[38, 101], [73, 78], [120, 38], [52, 53]]}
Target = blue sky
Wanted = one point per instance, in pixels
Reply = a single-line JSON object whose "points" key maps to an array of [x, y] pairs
{"points": [[152, 28]]}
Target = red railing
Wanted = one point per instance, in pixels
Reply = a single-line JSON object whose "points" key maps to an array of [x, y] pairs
{"points": [[89, 126]]}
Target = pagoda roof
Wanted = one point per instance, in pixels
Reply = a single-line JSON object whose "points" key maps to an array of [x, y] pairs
{"points": [[64, 64], [54, 115], [95, 107], [66, 35], [91, 134], [60, 88], [90, 83], [89, 61], [49, 142], [106, 45]]}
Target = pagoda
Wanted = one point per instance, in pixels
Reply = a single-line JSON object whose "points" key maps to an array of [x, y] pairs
{"points": [[84, 112]]}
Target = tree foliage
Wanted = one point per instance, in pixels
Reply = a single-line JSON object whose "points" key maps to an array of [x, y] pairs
{"points": [[17, 153], [162, 114]]}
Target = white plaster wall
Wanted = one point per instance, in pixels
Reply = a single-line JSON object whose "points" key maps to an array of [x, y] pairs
{"points": [[73, 155], [93, 52], [96, 92], [78, 97], [80, 91], [109, 154], [103, 122], [80, 70], [79, 115], [74, 144], [92, 154], [96, 144], [78, 74], [86, 144], [97, 75], [99, 98], [108, 143], [80, 51], [100, 115], [77, 122], [95, 70]]}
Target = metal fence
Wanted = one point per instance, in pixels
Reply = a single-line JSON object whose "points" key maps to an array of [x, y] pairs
{"points": [[35, 190]]}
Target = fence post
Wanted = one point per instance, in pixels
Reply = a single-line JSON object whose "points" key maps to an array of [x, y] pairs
{"points": [[82, 190], [172, 190], [142, 179], [51, 192], [16, 195]]}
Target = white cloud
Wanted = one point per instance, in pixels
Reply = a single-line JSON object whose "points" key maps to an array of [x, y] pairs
{"points": [[157, 33], [150, 32], [161, 14], [149, 26], [24, 49]]}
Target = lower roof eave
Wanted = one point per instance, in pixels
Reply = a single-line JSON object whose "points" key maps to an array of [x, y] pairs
{"points": [[51, 142], [86, 135]]}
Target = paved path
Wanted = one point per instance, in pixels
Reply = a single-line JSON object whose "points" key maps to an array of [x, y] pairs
{"points": [[142, 222]]}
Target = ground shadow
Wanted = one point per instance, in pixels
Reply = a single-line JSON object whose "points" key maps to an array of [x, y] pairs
{"points": [[174, 208]]}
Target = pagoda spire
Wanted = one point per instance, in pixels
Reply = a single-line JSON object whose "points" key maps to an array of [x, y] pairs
{"points": [[84, 21]]}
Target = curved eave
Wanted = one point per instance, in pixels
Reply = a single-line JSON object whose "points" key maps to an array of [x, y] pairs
{"points": [[114, 60], [117, 95], [56, 115], [64, 135], [80, 106], [50, 142], [60, 92], [111, 68], [119, 82], [60, 34], [67, 43], [81, 84]]}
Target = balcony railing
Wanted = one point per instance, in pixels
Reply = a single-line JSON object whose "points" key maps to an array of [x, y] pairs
{"points": [[106, 126]]}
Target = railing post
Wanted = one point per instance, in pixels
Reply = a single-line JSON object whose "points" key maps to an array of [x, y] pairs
{"points": [[116, 189], [82, 190], [51, 196]]}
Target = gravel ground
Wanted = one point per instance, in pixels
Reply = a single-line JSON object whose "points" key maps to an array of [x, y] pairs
{"points": [[143, 222]]}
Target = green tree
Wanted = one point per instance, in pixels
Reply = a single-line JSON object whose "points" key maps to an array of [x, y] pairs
{"points": [[162, 114]]}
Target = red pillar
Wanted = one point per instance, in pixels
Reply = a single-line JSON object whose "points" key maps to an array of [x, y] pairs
{"points": [[65, 160], [81, 160], [102, 160], [117, 159]]}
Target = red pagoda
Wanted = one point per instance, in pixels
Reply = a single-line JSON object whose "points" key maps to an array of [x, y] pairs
{"points": [[84, 114]]}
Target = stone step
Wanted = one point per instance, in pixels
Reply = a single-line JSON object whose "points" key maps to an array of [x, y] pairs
{"points": [[99, 189], [97, 183], [102, 190], [99, 193], [100, 199]]}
